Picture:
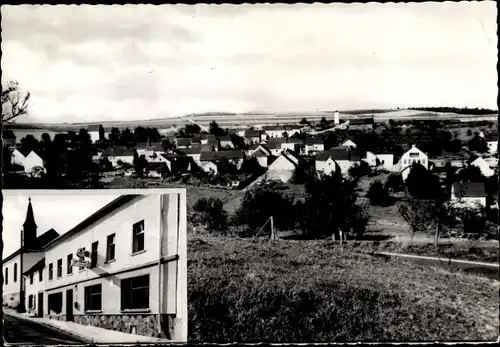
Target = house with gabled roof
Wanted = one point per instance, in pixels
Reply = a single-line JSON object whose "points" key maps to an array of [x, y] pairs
{"points": [[482, 164], [262, 154], [314, 145], [182, 142], [492, 141], [18, 156], [334, 159], [469, 193], [361, 123], [193, 152], [283, 167], [235, 157], [410, 157], [175, 163], [119, 154], [349, 143], [9, 138], [252, 136], [274, 145], [34, 160], [149, 150], [225, 141]]}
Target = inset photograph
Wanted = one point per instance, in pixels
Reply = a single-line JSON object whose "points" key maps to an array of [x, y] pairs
{"points": [[94, 266]]}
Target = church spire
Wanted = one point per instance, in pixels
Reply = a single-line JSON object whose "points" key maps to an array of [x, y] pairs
{"points": [[30, 217]]}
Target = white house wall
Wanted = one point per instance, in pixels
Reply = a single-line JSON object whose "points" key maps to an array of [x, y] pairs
{"points": [[11, 290], [32, 160], [17, 158]]}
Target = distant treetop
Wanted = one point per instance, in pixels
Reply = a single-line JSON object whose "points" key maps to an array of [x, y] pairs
{"points": [[464, 110]]}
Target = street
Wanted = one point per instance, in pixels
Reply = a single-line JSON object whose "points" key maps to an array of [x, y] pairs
{"points": [[25, 332]]}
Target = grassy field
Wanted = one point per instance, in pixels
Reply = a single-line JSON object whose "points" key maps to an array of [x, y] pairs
{"points": [[291, 291]]}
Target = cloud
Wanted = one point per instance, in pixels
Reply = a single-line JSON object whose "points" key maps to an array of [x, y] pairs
{"points": [[124, 62]]}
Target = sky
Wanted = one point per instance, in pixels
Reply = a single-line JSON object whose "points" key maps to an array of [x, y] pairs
{"points": [[116, 63], [60, 212]]}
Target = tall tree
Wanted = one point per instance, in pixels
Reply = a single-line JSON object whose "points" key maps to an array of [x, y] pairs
{"points": [[14, 102], [101, 133], [215, 129]]}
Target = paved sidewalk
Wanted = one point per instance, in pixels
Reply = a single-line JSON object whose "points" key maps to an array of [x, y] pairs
{"points": [[88, 333]]}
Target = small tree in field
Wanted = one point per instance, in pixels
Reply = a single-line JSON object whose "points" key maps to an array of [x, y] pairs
{"points": [[215, 216], [378, 194], [14, 102]]}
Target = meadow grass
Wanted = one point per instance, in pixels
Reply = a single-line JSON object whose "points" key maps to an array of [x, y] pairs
{"points": [[299, 291]]}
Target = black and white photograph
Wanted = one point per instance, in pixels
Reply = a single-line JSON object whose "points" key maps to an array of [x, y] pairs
{"points": [[91, 267], [333, 169]]}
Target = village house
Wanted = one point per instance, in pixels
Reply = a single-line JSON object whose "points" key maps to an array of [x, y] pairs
{"points": [[210, 168], [119, 154], [252, 136], [349, 143], [386, 161], [182, 142], [274, 131], [492, 141], [225, 142], [149, 150], [282, 168], [193, 152], [32, 161], [23, 259], [176, 164], [361, 123], [314, 145], [482, 164], [235, 157], [9, 138], [469, 193], [123, 268], [263, 155], [410, 157], [338, 158], [18, 156], [293, 144], [274, 145]]}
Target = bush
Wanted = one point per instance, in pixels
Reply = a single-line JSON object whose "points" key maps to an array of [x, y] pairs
{"points": [[215, 216], [378, 194], [395, 183], [200, 205], [258, 206], [423, 184]]}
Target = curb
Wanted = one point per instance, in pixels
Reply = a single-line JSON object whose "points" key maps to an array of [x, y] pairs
{"points": [[83, 338]]}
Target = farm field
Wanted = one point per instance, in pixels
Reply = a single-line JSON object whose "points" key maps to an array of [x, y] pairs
{"points": [[290, 291], [248, 119]]}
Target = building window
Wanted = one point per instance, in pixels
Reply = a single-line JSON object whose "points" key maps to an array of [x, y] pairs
{"points": [[69, 259], [423, 161], [40, 275], [110, 247], [6, 275], [138, 237], [31, 278], [15, 272], [51, 271], [93, 298], [59, 268], [135, 293], [55, 302], [93, 259], [31, 301], [414, 155]]}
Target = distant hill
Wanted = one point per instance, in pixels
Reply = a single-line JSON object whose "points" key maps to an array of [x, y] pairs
{"points": [[465, 110]]}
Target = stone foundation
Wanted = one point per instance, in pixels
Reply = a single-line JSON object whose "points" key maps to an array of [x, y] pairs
{"points": [[145, 324]]}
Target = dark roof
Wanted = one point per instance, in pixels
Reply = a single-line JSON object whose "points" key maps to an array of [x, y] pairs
{"points": [[192, 150], [225, 138], [362, 121], [275, 142], [8, 134], [46, 237], [213, 142], [212, 155], [469, 189], [207, 136], [294, 140], [315, 140], [183, 141], [112, 206], [252, 133], [207, 147], [260, 153], [18, 251], [491, 136], [357, 154], [118, 151], [39, 265], [337, 153], [23, 151]]}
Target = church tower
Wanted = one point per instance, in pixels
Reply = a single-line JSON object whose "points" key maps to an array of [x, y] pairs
{"points": [[29, 229]]}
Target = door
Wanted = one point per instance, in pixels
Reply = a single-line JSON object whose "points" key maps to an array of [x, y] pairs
{"points": [[69, 305], [40, 304]]}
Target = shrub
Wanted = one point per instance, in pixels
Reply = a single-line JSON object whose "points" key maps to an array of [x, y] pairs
{"points": [[395, 183], [378, 194], [215, 216], [200, 205], [258, 206]]}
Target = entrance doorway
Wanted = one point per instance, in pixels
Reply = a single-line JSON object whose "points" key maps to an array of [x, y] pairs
{"points": [[40, 304]]}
